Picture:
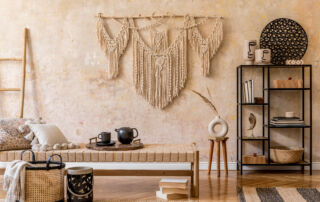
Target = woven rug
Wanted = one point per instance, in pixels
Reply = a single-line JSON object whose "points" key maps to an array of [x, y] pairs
{"points": [[278, 194]]}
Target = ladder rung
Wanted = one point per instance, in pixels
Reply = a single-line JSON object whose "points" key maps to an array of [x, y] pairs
{"points": [[10, 89], [11, 59]]}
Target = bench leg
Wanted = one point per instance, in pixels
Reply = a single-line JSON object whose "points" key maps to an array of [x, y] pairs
{"points": [[195, 184]]}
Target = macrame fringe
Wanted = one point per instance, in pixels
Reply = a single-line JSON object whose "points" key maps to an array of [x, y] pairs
{"points": [[113, 48], [205, 47], [159, 72]]}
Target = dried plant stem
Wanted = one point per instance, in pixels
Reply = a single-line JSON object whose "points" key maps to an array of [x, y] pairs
{"points": [[206, 100]]}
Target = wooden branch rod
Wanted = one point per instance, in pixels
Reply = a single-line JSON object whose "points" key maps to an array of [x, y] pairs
{"points": [[158, 16]]}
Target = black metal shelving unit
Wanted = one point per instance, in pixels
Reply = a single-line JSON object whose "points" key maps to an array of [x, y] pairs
{"points": [[266, 130]]}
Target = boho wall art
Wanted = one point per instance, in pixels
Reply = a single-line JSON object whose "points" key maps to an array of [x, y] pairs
{"points": [[205, 47], [159, 69], [113, 48], [286, 39]]}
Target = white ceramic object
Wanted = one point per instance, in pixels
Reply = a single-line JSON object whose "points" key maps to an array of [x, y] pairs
{"points": [[218, 121], [249, 48], [263, 56], [289, 114]]}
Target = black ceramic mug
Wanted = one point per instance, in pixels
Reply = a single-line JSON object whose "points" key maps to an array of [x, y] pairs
{"points": [[105, 137]]}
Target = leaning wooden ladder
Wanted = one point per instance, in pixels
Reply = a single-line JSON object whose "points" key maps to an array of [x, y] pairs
{"points": [[23, 60]]}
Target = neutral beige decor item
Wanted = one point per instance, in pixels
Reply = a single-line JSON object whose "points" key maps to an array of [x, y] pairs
{"points": [[113, 47], [289, 114], [290, 83], [159, 75], [262, 56], [14, 180], [254, 159], [249, 48], [286, 154], [294, 62], [205, 47], [216, 121], [48, 134], [49, 137], [11, 137], [44, 180]]}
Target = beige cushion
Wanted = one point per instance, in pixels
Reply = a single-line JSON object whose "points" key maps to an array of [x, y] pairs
{"points": [[48, 134], [10, 136], [12, 142]]}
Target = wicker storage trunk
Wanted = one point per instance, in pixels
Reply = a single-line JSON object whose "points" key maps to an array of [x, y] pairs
{"points": [[44, 181]]}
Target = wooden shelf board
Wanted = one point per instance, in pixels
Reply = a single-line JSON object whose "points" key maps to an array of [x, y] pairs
{"points": [[301, 163], [287, 89], [11, 59], [9, 89]]}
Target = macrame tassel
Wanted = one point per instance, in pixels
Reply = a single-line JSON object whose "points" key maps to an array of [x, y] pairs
{"points": [[113, 48], [206, 48]]}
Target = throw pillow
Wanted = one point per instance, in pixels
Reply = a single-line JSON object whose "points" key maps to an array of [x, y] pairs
{"points": [[12, 142], [48, 134], [11, 126]]}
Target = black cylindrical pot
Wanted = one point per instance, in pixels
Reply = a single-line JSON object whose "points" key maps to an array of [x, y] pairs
{"points": [[80, 184]]}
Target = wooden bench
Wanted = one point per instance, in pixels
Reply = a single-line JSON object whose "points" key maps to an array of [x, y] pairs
{"points": [[156, 153]]}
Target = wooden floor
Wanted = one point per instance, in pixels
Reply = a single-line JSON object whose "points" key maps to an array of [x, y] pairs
{"points": [[211, 187]]}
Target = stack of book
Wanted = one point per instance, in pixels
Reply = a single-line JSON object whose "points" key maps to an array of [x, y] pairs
{"points": [[173, 189], [285, 121], [248, 91]]}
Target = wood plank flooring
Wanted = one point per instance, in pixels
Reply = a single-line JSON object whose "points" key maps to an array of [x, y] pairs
{"points": [[212, 188]]}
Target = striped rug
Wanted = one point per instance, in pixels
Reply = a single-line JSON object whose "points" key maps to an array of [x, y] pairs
{"points": [[278, 194]]}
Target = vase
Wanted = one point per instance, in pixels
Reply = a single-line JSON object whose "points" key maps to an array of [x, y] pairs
{"points": [[249, 48], [263, 56], [218, 121]]}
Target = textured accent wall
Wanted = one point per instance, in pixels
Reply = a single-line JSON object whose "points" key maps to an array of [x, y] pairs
{"points": [[65, 71]]}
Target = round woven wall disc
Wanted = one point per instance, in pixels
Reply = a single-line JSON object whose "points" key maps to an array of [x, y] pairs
{"points": [[286, 39]]}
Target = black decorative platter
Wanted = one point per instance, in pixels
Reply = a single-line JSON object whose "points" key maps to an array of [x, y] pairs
{"points": [[286, 39]]}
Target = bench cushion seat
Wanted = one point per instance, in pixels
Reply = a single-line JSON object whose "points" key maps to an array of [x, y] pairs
{"points": [[150, 153]]}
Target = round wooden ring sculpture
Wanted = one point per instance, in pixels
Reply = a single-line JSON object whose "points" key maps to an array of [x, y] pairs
{"points": [[218, 121]]}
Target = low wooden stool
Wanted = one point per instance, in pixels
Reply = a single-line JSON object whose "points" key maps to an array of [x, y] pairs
{"points": [[223, 140]]}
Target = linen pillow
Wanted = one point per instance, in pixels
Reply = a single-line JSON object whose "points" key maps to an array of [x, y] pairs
{"points": [[48, 134], [11, 126], [12, 142]]}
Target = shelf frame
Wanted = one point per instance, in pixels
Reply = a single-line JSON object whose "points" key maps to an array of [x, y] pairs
{"points": [[266, 108]]}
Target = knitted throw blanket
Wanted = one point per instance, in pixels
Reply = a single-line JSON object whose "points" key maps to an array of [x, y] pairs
{"points": [[14, 180]]}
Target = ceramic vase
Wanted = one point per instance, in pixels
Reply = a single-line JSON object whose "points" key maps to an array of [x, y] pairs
{"points": [[218, 121], [263, 56], [249, 48]]}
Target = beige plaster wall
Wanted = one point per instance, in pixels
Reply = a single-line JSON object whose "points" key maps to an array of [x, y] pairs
{"points": [[65, 71]]}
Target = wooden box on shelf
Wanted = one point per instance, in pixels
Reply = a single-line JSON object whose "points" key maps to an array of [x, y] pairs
{"points": [[254, 159], [288, 83]]}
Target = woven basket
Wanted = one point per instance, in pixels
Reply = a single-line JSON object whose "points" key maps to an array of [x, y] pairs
{"points": [[286, 155], [44, 180]]}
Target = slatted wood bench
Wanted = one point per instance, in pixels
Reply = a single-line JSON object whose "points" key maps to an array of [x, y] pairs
{"points": [[156, 153]]}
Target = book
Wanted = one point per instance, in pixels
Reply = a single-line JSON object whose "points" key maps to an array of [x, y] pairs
{"points": [[166, 190], [252, 92], [285, 118], [173, 183], [287, 122], [247, 91], [161, 195]]}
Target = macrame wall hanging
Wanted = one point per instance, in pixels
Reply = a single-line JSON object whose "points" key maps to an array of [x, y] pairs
{"points": [[113, 48], [159, 70], [205, 47]]}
